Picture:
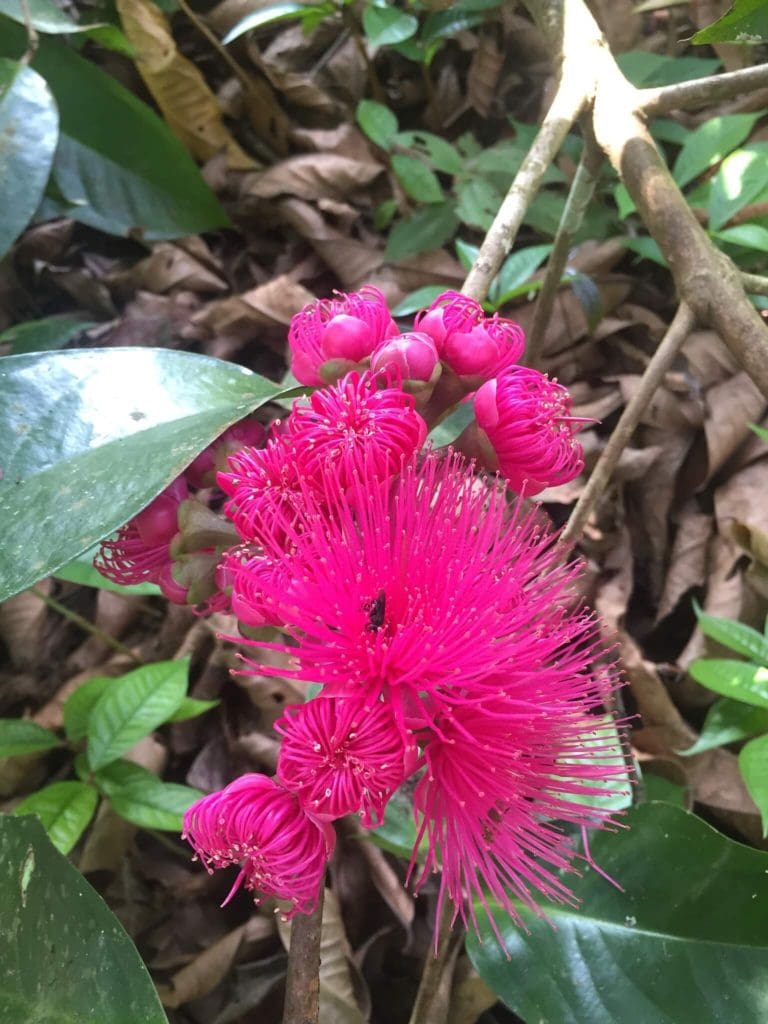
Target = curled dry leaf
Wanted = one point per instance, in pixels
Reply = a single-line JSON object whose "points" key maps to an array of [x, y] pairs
{"points": [[172, 265], [742, 510], [688, 561], [204, 973], [731, 406], [483, 75], [313, 176], [470, 996], [22, 619], [179, 89], [240, 316]]}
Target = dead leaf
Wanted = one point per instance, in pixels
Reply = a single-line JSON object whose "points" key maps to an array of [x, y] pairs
{"points": [[709, 359], [742, 510], [688, 561], [483, 75], [204, 973], [172, 265], [731, 407], [22, 618], [313, 176], [179, 89], [240, 316], [470, 996]]}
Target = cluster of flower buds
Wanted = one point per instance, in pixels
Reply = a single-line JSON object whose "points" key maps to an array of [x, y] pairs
{"points": [[440, 624]]}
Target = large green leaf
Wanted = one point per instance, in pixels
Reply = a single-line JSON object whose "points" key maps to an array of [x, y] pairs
{"points": [[79, 705], [132, 706], [709, 143], [64, 809], [746, 21], [64, 957], [734, 635], [117, 164], [686, 941], [425, 230], [18, 736], [739, 180], [29, 128], [42, 335], [728, 721], [88, 438], [83, 572], [738, 680], [753, 763]]}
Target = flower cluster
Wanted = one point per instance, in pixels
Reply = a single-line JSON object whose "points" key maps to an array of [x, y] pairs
{"points": [[437, 617]]}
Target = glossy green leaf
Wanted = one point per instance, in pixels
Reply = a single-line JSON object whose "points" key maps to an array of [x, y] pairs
{"points": [[29, 128], [419, 299], [82, 571], [657, 788], [79, 705], [448, 430], [191, 707], [442, 155], [132, 706], [643, 68], [43, 335], [418, 181], [466, 253], [739, 680], [397, 833], [18, 737], [753, 763], [155, 804], [424, 231], [385, 26], [65, 810], [271, 14], [64, 957], [685, 941], [135, 418], [118, 166], [745, 22], [602, 747], [478, 203], [740, 178], [728, 721], [377, 121], [709, 143], [44, 15], [733, 635], [440, 25], [750, 236], [517, 269]]}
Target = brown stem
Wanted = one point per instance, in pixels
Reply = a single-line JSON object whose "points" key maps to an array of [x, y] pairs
{"points": [[660, 362], [33, 40], [302, 984], [436, 965], [701, 91]]}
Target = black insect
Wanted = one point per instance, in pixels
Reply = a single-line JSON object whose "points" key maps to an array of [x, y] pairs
{"points": [[375, 609]]}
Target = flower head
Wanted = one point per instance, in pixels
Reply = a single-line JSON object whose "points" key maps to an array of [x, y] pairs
{"points": [[470, 343], [346, 328], [527, 420], [353, 422], [256, 823], [412, 356], [245, 433], [341, 756]]}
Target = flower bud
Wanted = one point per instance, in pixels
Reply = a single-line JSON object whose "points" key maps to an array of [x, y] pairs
{"points": [[414, 356], [246, 433]]}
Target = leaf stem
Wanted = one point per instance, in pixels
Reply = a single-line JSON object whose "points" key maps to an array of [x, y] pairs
{"points": [[85, 625]]}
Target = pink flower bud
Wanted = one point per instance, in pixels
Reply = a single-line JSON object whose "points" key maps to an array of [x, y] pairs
{"points": [[526, 417], [158, 522], [246, 433], [413, 356]]}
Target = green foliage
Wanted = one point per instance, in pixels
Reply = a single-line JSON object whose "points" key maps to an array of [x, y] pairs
{"points": [[64, 957], [728, 721], [745, 22], [142, 414], [666, 947], [105, 717], [43, 335], [272, 14], [83, 572]]}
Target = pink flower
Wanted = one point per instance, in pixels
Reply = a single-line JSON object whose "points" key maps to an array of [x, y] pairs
{"points": [[353, 421], [527, 420], [257, 824], [412, 356], [246, 433], [346, 328], [341, 756], [240, 574], [140, 553], [264, 490], [469, 342]]}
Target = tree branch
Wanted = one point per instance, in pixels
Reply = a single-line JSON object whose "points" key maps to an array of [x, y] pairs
{"points": [[754, 284], [436, 966], [701, 91], [661, 361], [302, 984]]}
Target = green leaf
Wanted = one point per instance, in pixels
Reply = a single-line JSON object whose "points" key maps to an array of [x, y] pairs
{"points": [[517, 269], [118, 164], [644, 68], [455, 422], [385, 26], [733, 635], [646, 248], [43, 335], [709, 143], [18, 736], [82, 571], [436, 151], [155, 804], [478, 203], [736, 679], [605, 751], [79, 705], [190, 707], [657, 788], [664, 129], [424, 231], [440, 25], [135, 418], [728, 721], [666, 950], [751, 236], [397, 833], [624, 201], [273, 13], [64, 957], [740, 178], [466, 253], [753, 764], [44, 15], [418, 181], [132, 706], [377, 121], [29, 128], [745, 22], [65, 810], [419, 299]]}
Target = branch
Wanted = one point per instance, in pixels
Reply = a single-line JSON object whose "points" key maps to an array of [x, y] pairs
{"points": [[435, 969], [579, 197], [701, 91], [302, 984], [754, 284], [573, 91], [660, 362]]}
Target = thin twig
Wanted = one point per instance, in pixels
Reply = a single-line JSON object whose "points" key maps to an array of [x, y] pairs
{"points": [[699, 92], [240, 74], [302, 984], [85, 625], [754, 284], [33, 40], [579, 197], [435, 965], [660, 362]]}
